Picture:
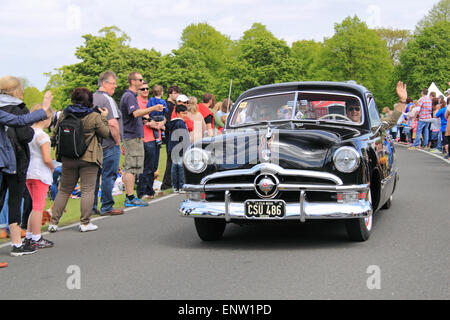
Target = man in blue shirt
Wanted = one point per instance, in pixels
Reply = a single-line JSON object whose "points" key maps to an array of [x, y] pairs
{"points": [[441, 114], [133, 133]]}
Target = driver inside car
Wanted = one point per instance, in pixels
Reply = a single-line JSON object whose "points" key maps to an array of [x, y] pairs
{"points": [[266, 114], [353, 112], [284, 113]]}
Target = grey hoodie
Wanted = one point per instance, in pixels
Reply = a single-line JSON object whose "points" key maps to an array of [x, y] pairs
{"points": [[7, 100], [7, 155]]}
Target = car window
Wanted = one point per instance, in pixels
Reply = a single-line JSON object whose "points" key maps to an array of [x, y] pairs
{"points": [[374, 116], [308, 106], [329, 107], [266, 108]]}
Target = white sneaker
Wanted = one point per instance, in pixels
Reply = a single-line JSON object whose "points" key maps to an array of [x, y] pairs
{"points": [[52, 228], [88, 227]]}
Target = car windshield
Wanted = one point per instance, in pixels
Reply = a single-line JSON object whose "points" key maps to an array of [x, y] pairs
{"points": [[309, 106]]}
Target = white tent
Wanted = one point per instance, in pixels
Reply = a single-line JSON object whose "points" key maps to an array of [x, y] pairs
{"points": [[434, 88]]}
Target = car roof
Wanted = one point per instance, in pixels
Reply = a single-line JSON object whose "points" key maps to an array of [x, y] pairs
{"points": [[351, 86]]}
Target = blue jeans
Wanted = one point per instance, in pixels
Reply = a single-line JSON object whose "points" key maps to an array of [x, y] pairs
{"points": [[425, 127], [151, 161], [108, 172], [439, 144], [54, 187], [407, 132], [177, 176], [434, 139]]}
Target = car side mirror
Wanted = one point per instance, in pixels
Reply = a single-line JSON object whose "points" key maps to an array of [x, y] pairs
{"points": [[382, 124]]}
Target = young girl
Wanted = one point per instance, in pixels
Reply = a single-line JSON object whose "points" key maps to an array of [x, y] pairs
{"points": [[39, 178]]}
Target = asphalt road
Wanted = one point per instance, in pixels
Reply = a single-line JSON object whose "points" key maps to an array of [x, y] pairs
{"points": [[155, 254]]}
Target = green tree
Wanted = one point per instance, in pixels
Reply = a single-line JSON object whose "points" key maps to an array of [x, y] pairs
{"points": [[396, 41], [439, 12], [214, 47], [306, 53], [262, 59], [186, 68], [425, 60], [109, 51], [56, 85], [356, 52], [32, 96]]}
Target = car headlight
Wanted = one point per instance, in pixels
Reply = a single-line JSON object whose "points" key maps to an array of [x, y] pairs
{"points": [[196, 160], [346, 159]]}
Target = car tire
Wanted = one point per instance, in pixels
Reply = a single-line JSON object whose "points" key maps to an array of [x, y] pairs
{"points": [[359, 229], [388, 204], [209, 229]]}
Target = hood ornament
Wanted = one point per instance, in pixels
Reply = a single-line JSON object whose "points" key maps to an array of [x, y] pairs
{"points": [[266, 143]]}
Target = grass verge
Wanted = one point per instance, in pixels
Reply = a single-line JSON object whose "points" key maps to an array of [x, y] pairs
{"points": [[72, 214]]}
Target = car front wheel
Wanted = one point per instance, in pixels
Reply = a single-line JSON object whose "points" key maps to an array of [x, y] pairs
{"points": [[209, 229], [359, 229], [388, 204]]}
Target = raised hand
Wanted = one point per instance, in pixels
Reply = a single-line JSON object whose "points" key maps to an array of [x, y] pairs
{"points": [[401, 91], [402, 95], [47, 102]]}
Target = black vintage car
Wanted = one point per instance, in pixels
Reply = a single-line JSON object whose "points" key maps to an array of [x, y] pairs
{"points": [[293, 151]]}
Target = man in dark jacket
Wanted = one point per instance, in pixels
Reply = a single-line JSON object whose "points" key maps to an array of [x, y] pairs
{"points": [[178, 140]]}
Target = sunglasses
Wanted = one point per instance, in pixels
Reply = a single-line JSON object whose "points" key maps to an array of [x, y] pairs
{"points": [[354, 109], [144, 89], [139, 80]]}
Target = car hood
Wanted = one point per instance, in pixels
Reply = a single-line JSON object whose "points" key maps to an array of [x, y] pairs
{"points": [[302, 148]]}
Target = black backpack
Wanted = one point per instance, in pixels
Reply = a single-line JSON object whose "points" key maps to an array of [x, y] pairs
{"points": [[70, 141]]}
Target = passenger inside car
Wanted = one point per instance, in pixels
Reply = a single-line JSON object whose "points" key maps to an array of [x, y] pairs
{"points": [[284, 113], [353, 112]]}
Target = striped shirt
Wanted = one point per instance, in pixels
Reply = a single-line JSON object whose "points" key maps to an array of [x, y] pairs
{"points": [[426, 108]]}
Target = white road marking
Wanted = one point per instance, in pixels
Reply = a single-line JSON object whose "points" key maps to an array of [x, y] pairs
{"points": [[427, 152], [100, 218]]}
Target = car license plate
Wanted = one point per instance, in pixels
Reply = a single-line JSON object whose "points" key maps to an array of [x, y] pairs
{"points": [[265, 209]]}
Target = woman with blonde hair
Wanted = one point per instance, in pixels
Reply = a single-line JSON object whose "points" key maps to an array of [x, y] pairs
{"points": [[39, 179], [197, 118], [222, 114], [15, 153]]}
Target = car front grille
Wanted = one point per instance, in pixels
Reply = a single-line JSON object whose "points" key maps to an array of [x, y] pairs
{"points": [[287, 196]]}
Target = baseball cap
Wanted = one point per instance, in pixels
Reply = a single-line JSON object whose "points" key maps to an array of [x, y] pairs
{"points": [[182, 98]]}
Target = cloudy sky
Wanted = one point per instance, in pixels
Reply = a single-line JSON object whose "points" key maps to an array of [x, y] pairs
{"points": [[38, 36]]}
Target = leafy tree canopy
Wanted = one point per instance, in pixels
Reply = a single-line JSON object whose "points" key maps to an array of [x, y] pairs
{"points": [[356, 52], [439, 12], [425, 60], [396, 41]]}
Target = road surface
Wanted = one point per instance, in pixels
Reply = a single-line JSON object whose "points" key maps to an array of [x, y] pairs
{"points": [[155, 254]]}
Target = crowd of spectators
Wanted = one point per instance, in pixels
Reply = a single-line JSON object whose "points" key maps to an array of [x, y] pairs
{"points": [[122, 141], [424, 124]]}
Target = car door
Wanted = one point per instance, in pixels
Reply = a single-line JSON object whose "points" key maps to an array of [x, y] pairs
{"points": [[384, 149]]}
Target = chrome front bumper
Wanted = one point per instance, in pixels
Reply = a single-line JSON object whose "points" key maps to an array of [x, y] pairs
{"points": [[301, 211]]}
